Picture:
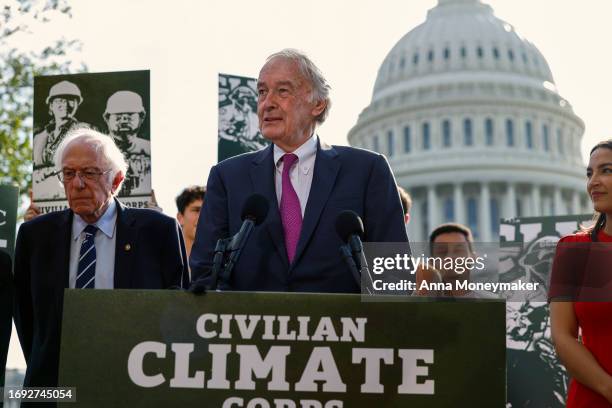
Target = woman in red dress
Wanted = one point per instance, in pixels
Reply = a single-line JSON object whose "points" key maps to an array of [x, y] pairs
{"points": [[577, 306]]}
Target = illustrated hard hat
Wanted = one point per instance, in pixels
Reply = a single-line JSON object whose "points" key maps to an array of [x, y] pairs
{"points": [[124, 102], [64, 88]]}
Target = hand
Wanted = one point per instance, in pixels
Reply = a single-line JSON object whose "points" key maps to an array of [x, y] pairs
{"points": [[152, 203], [33, 210], [197, 287], [429, 275]]}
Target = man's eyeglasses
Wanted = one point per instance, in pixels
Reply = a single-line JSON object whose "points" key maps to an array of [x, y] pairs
{"points": [[67, 175]]}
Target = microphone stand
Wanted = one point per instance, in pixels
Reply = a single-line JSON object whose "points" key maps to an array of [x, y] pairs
{"points": [[220, 250], [347, 255], [353, 255], [236, 244], [360, 260], [227, 253]]}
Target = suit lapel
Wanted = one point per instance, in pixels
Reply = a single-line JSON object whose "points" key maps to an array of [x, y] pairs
{"points": [[325, 172], [62, 258], [124, 246], [262, 177]]}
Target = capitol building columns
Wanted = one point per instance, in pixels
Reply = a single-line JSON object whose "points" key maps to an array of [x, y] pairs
{"points": [[510, 209], [536, 202], [485, 213], [432, 219], [557, 201], [576, 202], [458, 202], [440, 201]]}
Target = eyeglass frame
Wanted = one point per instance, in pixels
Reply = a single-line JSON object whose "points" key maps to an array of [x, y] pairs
{"points": [[83, 175]]}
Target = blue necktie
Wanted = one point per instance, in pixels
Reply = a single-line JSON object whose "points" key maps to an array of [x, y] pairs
{"points": [[86, 273]]}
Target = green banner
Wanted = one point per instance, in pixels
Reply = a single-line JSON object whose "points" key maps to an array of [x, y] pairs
{"points": [[166, 348], [8, 217]]}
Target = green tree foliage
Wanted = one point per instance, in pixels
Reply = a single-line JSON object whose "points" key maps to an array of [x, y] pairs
{"points": [[18, 66]]}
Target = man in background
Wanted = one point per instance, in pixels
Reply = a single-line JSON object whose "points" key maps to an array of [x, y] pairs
{"points": [[450, 241], [189, 203], [406, 203]]}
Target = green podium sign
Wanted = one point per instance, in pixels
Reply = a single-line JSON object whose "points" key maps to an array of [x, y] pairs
{"points": [[8, 217], [128, 348]]}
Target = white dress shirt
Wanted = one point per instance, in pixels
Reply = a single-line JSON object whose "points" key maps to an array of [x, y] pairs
{"points": [[301, 173], [105, 247]]}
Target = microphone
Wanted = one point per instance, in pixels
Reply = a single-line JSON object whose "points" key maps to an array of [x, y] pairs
{"points": [[350, 229], [218, 258], [254, 212]]}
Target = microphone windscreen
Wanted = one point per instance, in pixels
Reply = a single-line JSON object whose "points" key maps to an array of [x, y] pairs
{"points": [[255, 208], [349, 223]]}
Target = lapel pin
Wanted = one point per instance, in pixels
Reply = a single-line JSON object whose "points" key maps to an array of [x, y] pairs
{"points": [[128, 247]]}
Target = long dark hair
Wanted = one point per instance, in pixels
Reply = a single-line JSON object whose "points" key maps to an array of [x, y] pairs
{"points": [[600, 218]]}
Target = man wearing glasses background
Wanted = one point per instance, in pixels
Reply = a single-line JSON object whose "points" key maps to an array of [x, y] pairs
{"points": [[95, 244]]}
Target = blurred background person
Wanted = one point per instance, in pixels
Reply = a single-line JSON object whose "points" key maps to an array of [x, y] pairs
{"points": [[581, 323], [406, 203], [33, 210], [450, 241], [189, 203]]}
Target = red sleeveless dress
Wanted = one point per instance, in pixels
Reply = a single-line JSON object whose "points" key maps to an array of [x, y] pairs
{"points": [[595, 321]]}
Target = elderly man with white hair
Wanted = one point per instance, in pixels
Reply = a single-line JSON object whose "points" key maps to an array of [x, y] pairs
{"points": [[95, 244], [307, 184]]}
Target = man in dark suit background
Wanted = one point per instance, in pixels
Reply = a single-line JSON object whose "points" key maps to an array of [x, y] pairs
{"points": [[6, 310], [96, 243], [307, 184]]}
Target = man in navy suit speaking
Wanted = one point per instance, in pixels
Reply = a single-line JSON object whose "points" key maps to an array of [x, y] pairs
{"points": [[307, 184], [95, 244]]}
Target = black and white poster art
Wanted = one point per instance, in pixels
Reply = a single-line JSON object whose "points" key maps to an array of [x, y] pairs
{"points": [[535, 377], [115, 103], [238, 124]]}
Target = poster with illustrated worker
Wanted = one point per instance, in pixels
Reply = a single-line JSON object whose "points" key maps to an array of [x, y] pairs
{"points": [[238, 124], [536, 378], [115, 103]]}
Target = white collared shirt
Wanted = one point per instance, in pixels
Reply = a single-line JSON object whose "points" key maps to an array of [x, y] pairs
{"points": [[301, 173], [105, 247]]}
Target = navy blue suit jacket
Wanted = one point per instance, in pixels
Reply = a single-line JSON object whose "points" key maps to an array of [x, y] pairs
{"points": [[344, 178], [156, 259], [6, 309]]}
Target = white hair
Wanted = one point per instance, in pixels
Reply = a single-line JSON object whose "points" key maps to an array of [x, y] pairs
{"points": [[102, 144], [320, 87]]}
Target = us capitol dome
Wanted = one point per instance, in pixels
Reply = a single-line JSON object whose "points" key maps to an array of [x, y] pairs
{"points": [[468, 114]]}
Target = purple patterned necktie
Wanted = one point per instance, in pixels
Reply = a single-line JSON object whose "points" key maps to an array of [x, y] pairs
{"points": [[290, 210]]}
